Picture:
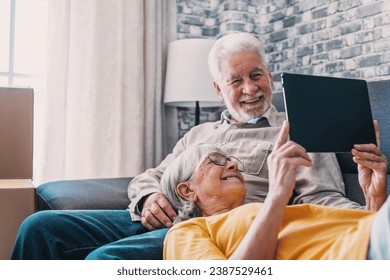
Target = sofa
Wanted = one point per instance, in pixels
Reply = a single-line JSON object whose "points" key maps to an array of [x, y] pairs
{"points": [[111, 193]]}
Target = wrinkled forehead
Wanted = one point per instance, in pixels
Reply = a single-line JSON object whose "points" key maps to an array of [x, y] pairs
{"points": [[241, 63]]}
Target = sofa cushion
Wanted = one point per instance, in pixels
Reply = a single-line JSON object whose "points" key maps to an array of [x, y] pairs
{"points": [[83, 194]]}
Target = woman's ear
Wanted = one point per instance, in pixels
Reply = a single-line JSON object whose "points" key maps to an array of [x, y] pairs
{"points": [[184, 190]]}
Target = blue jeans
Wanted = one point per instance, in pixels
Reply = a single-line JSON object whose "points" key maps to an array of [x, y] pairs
{"points": [[379, 246], [90, 234]]}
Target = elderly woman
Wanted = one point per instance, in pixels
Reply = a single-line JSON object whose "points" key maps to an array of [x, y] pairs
{"points": [[207, 190]]}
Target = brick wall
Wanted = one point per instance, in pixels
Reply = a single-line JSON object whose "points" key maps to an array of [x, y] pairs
{"points": [[347, 38]]}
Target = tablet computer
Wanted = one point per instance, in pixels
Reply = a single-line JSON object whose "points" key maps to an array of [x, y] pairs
{"points": [[327, 114]]}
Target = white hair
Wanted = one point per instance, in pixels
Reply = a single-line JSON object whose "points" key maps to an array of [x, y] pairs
{"points": [[229, 44], [181, 170]]}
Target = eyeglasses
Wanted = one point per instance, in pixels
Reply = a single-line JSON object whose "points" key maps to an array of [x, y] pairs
{"points": [[221, 160]]}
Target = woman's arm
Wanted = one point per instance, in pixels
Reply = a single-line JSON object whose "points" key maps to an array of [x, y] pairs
{"points": [[260, 241]]}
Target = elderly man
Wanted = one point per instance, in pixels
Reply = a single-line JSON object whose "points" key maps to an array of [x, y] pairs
{"points": [[247, 130]]}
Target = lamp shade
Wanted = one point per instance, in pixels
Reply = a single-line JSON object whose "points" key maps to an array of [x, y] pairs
{"points": [[188, 79]]}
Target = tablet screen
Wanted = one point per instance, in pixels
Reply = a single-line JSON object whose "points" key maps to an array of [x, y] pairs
{"points": [[327, 114]]}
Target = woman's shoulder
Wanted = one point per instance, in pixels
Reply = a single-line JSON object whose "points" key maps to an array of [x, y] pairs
{"points": [[246, 210], [194, 226]]}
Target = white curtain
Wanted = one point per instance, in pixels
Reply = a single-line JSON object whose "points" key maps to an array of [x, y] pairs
{"points": [[102, 114]]}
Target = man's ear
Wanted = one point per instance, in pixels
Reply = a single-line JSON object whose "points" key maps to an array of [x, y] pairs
{"points": [[271, 79], [184, 190], [218, 89]]}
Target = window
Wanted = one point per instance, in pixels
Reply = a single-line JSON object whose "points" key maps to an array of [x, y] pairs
{"points": [[23, 37]]}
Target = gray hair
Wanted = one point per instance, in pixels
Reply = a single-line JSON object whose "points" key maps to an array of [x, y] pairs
{"points": [[181, 170], [229, 44]]}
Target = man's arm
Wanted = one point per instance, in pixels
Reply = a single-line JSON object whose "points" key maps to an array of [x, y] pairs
{"points": [[143, 185], [145, 191], [148, 204]]}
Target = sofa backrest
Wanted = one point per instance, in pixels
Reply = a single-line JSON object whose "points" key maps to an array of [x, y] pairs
{"points": [[379, 92]]}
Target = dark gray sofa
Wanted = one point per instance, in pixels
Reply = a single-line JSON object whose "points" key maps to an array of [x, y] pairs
{"points": [[112, 193]]}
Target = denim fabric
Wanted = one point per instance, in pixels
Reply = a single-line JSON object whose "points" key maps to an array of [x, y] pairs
{"points": [[147, 246], [74, 234], [379, 246]]}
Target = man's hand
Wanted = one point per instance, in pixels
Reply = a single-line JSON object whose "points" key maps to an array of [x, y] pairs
{"points": [[372, 170], [283, 163], [157, 212]]}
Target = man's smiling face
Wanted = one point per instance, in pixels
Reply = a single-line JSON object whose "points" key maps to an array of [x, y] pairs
{"points": [[245, 85]]}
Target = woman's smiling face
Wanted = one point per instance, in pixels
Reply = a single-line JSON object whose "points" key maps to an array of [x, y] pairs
{"points": [[218, 184]]}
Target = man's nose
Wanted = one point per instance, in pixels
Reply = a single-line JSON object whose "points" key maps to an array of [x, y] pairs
{"points": [[249, 87]]}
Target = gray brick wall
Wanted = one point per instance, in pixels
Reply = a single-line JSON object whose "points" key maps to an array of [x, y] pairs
{"points": [[347, 38], [186, 117]]}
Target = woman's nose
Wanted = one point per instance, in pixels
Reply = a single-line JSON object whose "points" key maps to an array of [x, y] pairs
{"points": [[231, 165]]}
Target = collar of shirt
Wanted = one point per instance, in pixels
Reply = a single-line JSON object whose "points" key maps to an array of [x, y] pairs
{"points": [[270, 115]]}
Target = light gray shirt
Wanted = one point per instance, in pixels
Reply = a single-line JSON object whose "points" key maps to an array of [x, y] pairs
{"points": [[321, 184]]}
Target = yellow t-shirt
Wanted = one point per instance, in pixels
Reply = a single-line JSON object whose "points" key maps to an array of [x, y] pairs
{"points": [[307, 232]]}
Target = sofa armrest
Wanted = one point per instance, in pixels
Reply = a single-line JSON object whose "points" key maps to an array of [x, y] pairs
{"points": [[83, 194]]}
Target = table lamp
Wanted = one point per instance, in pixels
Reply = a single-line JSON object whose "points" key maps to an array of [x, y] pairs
{"points": [[188, 80]]}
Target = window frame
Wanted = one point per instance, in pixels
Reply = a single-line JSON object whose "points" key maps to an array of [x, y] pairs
{"points": [[10, 75]]}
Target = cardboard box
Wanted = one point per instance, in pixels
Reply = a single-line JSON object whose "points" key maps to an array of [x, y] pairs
{"points": [[16, 137], [17, 202]]}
